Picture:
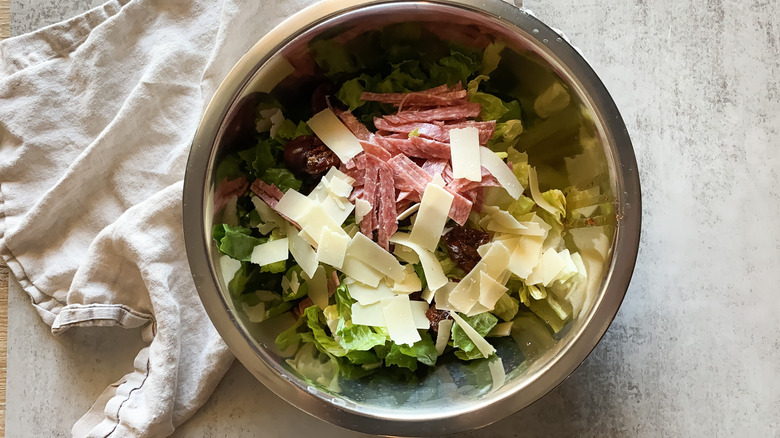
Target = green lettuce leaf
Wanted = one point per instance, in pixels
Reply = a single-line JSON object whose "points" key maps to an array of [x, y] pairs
{"points": [[249, 278], [288, 130], [557, 199], [236, 242], [396, 357], [350, 91], [282, 178], [521, 207], [349, 335], [506, 307], [466, 349], [453, 69], [520, 165], [423, 350]]}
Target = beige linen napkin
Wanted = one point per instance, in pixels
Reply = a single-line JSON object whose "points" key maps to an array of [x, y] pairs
{"points": [[96, 119]]}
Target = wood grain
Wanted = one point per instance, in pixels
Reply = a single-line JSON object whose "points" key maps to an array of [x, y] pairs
{"points": [[5, 32]]}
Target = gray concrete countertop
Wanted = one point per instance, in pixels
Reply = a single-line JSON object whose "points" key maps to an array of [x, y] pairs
{"points": [[695, 348]]}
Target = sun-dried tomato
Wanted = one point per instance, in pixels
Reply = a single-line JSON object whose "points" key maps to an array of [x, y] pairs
{"points": [[307, 154], [462, 244], [435, 315]]}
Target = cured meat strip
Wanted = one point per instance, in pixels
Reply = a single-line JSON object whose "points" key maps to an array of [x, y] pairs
{"points": [[460, 209], [404, 146], [354, 125], [427, 130], [375, 150], [416, 178], [406, 171], [431, 148], [388, 223], [368, 224], [418, 98], [227, 189], [438, 132], [456, 112], [461, 184], [434, 166]]}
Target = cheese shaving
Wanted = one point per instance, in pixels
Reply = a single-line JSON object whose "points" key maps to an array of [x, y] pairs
{"points": [[270, 252], [443, 336], [433, 215], [434, 274], [503, 174], [400, 321], [366, 250], [464, 149], [335, 135]]}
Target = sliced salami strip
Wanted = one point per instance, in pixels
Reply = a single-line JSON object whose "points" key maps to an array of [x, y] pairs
{"points": [[374, 149], [354, 125], [457, 112]]}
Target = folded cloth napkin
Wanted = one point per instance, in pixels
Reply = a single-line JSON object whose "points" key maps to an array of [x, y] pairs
{"points": [[96, 118]]}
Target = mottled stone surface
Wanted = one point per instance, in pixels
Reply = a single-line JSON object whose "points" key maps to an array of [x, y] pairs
{"points": [[695, 348]]}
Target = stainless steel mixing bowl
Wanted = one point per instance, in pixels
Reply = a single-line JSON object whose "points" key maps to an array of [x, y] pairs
{"points": [[457, 396]]}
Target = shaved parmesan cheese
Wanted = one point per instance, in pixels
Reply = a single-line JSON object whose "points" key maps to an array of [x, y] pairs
{"points": [[301, 251], [400, 321], [360, 271], [365, 294], [317, 220], [228, 267], [362, 208], [335, 135], [294, 205], [525, 256], [496, 259], [504, 175], [482, 345], [270, 252], [466, 293], [332, 248], [427, 295], [464, 147], [406, 254], [434, 274], [550, 264], [433, 214], [408, 212], [490, 291], [442, 296], [533, 184], [333, 172], [443, 337], [267, 214], [371, 315], [418, 314], [318, 288], [366, 250], [410, 283], [477, 309]]}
